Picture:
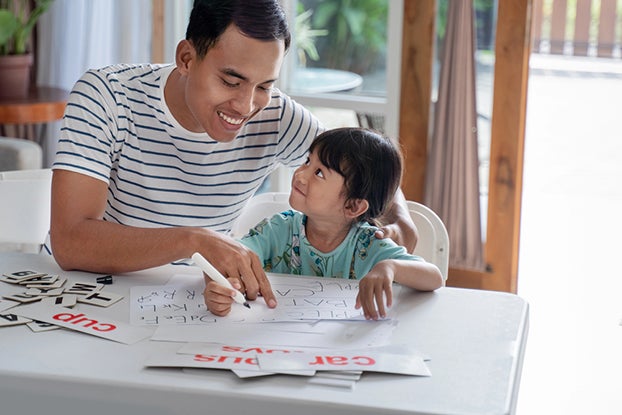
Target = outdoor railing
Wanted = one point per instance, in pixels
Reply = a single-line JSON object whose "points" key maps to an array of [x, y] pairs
{"points": [[578, 27]]}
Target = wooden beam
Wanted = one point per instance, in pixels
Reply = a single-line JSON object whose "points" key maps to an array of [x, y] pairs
{"points": [[157, 31], [507, 144], [416, 90]]}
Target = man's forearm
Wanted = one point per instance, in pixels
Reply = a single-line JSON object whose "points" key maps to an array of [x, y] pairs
{"points": [[104, 247]]}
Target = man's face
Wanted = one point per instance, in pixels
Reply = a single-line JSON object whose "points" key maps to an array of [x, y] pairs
{"points": [[231, 84]]}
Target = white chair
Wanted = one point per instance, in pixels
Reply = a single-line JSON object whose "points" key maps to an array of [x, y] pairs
{"points": [[25, 197], [259, 207], [433, 243]]}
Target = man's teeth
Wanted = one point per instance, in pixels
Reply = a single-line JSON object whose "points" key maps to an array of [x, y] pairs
{"points": [[235, 121]]}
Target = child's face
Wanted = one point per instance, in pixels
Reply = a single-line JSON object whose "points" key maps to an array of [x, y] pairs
{"points": [[317, 191]]}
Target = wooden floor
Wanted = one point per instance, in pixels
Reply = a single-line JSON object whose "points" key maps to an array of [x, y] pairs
{"points": [[571, 238]]}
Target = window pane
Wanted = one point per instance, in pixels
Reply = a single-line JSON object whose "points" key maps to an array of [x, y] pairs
{"points": [[340, 46]]}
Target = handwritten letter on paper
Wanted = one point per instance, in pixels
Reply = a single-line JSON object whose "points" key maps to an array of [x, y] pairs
{"points": [[299, 298]]}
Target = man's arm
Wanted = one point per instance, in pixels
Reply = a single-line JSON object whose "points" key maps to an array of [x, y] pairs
{"points": [[398, 225], [81, 239]]}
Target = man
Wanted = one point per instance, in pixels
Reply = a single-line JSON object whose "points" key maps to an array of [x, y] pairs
{"points": [[155, 162]]}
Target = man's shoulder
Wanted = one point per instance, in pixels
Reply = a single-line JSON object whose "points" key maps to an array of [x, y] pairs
{"points": [[127, 72]]}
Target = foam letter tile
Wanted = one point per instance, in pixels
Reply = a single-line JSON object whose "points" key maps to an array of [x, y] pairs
{"points": [[45, 292], [12, 320], [83, 288], [101, 298], [39, 326], [19, 276], [65, 300], [22, 297]]}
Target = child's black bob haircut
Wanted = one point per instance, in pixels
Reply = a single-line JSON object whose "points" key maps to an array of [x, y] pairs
{"points": [[369, 162]]}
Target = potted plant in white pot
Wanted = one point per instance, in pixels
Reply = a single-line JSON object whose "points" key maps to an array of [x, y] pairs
{"points": [[17, 19]]}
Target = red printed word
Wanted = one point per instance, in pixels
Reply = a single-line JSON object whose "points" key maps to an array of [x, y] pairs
{"points": [[254, 350], [342, 361], [226, 359], [80, 319]]}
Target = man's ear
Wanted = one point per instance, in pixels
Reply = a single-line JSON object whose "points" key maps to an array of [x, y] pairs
{"points": [[356, 207], [184, 55]]}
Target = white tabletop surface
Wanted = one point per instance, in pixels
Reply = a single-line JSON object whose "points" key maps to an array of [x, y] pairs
{"points": [[475, 339]]}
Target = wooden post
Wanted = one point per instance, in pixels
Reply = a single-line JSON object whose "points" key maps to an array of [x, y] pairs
{"points": [[417, 59], [157, 31]]}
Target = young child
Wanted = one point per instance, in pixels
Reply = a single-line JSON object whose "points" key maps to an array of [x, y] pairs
{"points": [[347, 182]]}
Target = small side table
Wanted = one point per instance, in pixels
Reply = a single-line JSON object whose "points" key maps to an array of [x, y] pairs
{"points": [[42, 105]]}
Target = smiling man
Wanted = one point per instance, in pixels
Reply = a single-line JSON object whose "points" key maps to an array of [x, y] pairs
{"points": [[155, 162]]}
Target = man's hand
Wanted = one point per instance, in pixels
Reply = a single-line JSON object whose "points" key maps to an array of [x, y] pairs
{"points": [[399, 225], [242, 267]]}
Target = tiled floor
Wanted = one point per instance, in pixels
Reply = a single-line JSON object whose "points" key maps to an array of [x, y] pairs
{"points": [[571, 236]]}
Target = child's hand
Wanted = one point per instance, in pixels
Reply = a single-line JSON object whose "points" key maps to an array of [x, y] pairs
{"points": [[372, 289], [218, 299]]}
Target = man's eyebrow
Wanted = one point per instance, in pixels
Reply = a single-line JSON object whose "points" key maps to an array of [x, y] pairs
{"points": [[235, 74]]}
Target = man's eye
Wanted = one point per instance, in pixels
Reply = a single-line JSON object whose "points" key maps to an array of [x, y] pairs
{"points": [[229, 84]]}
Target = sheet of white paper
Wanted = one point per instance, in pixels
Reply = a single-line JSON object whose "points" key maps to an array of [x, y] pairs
{"points": [[181, 302], [335, 335]]}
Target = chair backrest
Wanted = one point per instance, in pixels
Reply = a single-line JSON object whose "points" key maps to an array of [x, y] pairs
{"points": [[433, 243], [25, 197], [259, 207]]}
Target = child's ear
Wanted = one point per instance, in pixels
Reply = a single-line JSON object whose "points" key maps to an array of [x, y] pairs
{"points": [[356, 207]]}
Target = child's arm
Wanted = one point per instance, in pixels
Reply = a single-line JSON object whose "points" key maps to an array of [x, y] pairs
{"points": [[419, 275]]}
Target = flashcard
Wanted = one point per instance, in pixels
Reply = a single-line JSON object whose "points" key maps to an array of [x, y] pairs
{"points": [[343, 360], [6, 304], [83, 288], [12, 320], [101, 298], [340, 383], [244, 362], [39, 326], [85, 322], [45, 292], [65, 300], [22, 297]]}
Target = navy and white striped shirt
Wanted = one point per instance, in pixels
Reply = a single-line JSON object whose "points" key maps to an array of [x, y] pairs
{"points": [[117, 128]]}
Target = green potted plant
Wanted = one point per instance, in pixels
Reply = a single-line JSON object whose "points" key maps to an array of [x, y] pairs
{"points": [[17, 19]]}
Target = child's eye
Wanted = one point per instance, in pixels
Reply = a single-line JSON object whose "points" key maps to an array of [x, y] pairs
{"points": [[307, 161], [319, 173]]}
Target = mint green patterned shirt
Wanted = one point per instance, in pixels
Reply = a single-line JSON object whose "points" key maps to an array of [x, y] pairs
{"points": [[282, 246]]}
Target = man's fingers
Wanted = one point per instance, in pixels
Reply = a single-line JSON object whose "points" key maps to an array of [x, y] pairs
{"points": [[264, 284]]}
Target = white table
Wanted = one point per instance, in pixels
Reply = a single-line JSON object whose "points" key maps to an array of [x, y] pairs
{"points": [[475, 339]]}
